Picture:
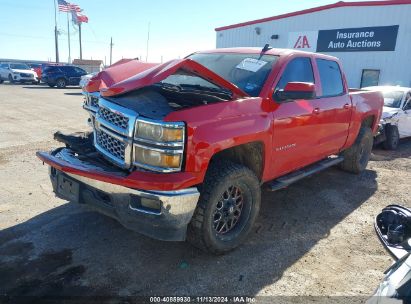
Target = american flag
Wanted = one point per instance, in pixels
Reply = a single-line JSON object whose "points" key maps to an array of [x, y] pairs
{"points": [[64, 6]]}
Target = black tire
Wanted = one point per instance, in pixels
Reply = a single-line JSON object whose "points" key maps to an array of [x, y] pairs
{"points": [[61, 83], [392, 137], [11, 79], [205, 231], [357, 156], [1, 81]]}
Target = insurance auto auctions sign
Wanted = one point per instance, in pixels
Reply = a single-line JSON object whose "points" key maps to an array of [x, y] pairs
{"points": [[380, 38]]}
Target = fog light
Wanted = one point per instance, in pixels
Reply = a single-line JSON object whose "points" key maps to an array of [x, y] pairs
{"points": [[139, 203], [150, 203]]}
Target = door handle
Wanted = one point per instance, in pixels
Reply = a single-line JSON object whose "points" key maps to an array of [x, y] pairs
{"points": [[316, 111], [347, 106]]}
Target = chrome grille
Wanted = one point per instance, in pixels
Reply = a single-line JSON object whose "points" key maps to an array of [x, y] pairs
{"points": [[113, 118], [111, 144]]}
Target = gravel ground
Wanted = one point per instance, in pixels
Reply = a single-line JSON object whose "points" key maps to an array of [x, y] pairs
{"points": [[314, 238]]}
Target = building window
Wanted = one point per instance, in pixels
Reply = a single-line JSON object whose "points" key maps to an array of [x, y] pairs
{"points": [[370, 78]]}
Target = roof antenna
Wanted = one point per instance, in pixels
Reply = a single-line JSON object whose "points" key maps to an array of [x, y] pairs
{"points": [[266, 48]]}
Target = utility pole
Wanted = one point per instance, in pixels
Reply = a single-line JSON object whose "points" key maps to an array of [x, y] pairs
{"points": [[56, 33], [111, 50], [79, 37]]}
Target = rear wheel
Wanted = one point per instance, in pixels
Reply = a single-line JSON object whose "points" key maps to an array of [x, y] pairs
{"points": [[61, 83], [357, 156], [392, 137], [227, 209]]}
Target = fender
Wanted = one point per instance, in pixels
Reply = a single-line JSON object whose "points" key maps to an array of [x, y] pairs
{"points": [[365, 104], [221, 126]]}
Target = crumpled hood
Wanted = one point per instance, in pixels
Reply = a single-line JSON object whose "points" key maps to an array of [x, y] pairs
{"points": [[388, 112], [116, 73], [157, 73], [23, 71]]}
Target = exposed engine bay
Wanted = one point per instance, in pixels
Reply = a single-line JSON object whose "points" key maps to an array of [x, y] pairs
{"points": [[158, 100]]}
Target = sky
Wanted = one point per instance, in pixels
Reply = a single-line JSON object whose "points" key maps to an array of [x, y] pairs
{"points": [[177, 28]]}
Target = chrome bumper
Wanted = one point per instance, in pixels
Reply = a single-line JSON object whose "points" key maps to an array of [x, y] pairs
{"points": [[167, 222]]}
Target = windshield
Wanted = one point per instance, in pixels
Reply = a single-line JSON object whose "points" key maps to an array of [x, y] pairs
{"points": [[19, 66], [393, 99], [246, 71]]}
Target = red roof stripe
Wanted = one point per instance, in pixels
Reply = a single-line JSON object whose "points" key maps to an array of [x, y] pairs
{"points": [[316, 9]]}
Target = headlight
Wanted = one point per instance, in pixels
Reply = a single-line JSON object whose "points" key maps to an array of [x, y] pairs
{"points": [[159, 146], [160, 132], [155, 158]]}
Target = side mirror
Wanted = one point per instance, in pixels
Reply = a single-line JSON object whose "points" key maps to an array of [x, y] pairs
{"points": [[296, 90]]}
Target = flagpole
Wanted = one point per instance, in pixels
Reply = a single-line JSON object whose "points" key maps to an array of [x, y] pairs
{"points": [[68, 32], [56, 32], [79, 37]]}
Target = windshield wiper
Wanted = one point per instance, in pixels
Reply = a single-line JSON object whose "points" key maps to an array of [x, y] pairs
{"points": [[171, 86], [206, 88]]}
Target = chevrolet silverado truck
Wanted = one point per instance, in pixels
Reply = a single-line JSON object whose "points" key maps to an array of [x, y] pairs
{"points": [[180, 150]]}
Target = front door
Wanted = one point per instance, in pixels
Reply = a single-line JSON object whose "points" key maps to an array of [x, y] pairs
{"points": [[294, 127]]}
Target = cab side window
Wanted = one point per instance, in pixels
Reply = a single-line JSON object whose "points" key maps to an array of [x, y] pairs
{"points": [[297, 70], [331, 79]]}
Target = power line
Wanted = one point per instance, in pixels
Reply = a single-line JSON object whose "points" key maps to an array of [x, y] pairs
{"points": [[43, 37]]}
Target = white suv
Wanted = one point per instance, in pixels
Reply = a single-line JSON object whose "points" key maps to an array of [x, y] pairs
{"points": [[14, 72]]}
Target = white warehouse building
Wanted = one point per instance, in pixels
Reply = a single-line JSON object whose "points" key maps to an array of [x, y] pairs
{"points": [[371, 38]]}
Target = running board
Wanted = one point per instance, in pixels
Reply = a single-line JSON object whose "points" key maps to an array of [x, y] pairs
{"points": [[288, 179]]}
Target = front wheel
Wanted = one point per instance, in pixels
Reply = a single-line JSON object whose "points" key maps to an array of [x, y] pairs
{"points": [[392, 137], [11, 79], [357, 156], [228, 207]]}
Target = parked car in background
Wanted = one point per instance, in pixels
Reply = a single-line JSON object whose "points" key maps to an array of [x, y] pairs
{"points": [[36, 67], [179, 150], [17, 72], [396, 117], [62, 76], [86, 78]]}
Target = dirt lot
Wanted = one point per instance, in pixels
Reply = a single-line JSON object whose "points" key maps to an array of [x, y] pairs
{"points": [[314, 238]]}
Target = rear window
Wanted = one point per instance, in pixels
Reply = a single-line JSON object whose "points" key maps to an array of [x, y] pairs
{"points": [[331, 79]]}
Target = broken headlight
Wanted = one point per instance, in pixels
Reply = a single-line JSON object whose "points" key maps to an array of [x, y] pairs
{"points": [[159, 146]]}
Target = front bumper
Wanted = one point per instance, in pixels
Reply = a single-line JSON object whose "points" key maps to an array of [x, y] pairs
{"points": [[18, 77], [161, 215]]}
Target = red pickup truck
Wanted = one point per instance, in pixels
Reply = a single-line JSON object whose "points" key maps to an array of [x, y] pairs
{"points": [[180, 150]]}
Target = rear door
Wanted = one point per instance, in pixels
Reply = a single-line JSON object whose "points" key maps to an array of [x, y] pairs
{"points": [[333, 108], [71, 75]]}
